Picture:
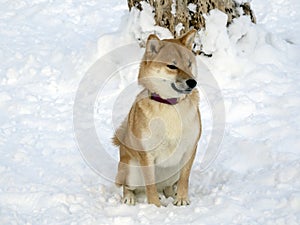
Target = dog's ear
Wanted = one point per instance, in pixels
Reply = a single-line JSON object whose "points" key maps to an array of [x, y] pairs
{"points": [[188, 38], [153, 44]]}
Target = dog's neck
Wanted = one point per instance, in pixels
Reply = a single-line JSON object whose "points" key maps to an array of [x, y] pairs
{"points": [[168, 101]]}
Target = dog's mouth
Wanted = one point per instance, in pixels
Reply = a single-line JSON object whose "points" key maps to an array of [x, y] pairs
{"points": [[181, 91]]}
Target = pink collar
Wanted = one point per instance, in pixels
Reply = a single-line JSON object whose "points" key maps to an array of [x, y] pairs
{"points": [[168, 101]]}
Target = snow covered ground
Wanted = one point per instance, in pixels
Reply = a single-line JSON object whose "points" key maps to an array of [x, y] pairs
{"points": [[46, 48]]}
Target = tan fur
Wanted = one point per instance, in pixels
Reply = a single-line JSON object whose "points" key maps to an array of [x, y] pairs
{"points": [[158, 141]]}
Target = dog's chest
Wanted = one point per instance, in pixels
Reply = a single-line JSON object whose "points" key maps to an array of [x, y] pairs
{"points": [[179, 135]]}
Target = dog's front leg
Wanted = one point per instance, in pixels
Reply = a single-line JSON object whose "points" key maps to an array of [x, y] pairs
{"points": [[148, 169], [183, 182]]}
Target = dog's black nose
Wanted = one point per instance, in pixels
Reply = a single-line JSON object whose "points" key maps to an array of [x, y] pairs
{"points": [[191, 83]]}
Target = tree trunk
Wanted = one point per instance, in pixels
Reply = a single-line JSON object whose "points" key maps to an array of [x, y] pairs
{"points": [[181, 15]]}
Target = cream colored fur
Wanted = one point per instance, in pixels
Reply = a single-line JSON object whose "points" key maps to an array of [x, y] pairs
{"points": [[158, 141]]}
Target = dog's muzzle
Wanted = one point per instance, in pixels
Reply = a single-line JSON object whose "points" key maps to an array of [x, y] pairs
{"points": [[185, 88]]}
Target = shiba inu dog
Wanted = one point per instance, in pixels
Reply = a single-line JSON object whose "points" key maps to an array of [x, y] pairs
{"points": [[158, 139]]}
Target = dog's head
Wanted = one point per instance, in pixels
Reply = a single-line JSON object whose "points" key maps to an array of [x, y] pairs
{"points": [[169, 66]]}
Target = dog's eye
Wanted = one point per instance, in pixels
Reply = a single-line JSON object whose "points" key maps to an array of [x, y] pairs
{"points": [[172, 67]]}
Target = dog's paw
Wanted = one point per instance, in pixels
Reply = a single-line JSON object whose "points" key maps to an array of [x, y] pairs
{"points": [[155, 201], [181, 201], [169, 192], [129, 199]]}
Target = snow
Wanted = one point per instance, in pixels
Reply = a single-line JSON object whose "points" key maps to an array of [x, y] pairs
{"points": [[173, 8], [192, 7], [48, 46]]}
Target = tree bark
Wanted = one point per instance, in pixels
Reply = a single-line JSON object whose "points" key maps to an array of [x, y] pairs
{"points": [[187, 14]]}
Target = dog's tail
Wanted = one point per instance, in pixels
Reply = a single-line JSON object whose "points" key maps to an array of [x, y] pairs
{"points": [[116, 141]]}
